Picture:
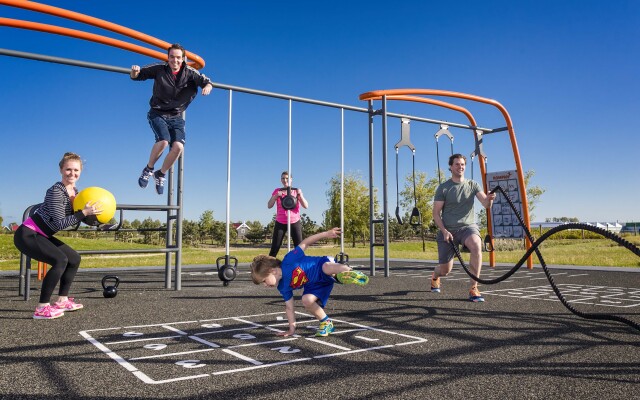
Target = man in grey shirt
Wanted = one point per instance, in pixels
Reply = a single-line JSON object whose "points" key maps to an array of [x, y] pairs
{"points": [[453, 215]]}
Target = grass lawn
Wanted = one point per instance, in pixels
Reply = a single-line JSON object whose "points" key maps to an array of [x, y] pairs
{"points": [[590, 252]]}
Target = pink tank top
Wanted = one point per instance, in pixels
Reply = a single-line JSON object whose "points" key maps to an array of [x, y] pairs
{"points": [[281, 213]]}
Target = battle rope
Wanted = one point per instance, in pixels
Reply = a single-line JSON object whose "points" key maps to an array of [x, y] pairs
{"points": [[621, 241]]}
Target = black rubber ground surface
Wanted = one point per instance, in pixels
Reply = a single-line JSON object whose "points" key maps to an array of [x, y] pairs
{"points": [[394, 339]]}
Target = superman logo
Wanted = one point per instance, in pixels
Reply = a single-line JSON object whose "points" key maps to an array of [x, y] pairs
{"points": [[298, 278]]}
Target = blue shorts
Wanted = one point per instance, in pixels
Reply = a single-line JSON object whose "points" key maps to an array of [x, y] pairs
{"points": [[445, 250], [169, 128], [320, 285]]}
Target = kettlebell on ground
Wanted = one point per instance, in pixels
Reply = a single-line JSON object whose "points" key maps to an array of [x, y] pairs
{"points": [[110, 291]]}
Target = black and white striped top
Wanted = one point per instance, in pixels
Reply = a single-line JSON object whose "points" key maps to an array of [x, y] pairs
{"points": [[56, 212]]}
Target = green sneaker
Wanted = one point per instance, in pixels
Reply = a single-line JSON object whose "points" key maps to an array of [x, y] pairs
{"points": [[355, 277], [325, 329]]}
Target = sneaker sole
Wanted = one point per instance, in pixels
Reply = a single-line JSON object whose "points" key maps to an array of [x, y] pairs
{"points": [[71, 309], [42, 317], [435, 290], [325, 334], [477, 300], [355, 279]]}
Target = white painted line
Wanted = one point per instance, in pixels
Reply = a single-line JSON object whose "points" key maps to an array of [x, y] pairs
{"points": [[170, 354], [144, 378], [366, 338], [259, 343], [240, 356], [171, 328], [206, 342], [248, 322], [328, 344], [414, 342], [226, 330], [144, 340], [154, 325], [342, 331], [110, 353], [354, 351], [230, 371]]}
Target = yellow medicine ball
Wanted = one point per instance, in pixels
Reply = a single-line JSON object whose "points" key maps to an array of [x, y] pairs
{"points": [[92, 195]]}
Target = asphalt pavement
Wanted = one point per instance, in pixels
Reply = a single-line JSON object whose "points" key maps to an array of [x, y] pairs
{"points": [[393, 339]]}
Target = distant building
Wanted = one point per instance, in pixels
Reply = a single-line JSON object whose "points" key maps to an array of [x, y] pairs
{"points": [[608, 226], [242, 229], [631, 227]]}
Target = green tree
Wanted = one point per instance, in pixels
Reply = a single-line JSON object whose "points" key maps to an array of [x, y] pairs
{"points": [[151, 236], [206, 224], [190, 233], [256, 232], [356, 206], [309, 227], [425, 189]]}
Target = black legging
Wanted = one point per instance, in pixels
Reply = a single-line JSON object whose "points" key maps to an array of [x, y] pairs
{"points": [[279, 231], [63, 259]]}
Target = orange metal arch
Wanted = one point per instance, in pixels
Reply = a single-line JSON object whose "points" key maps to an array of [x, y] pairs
{"points": [[195, 60], [407, 95]]}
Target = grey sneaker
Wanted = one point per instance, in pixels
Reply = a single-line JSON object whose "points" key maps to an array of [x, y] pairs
{"points": [[159, 178], [144, 177]]}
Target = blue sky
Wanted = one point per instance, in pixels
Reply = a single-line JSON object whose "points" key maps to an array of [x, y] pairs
{"points": [[567, 72]]}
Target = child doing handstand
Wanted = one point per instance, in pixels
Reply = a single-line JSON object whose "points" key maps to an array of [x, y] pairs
{"points": [[315, 274]]}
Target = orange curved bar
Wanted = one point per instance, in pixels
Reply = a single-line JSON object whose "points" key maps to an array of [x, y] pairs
{"points": [[35, 26], [398, 93], [195, 60]]}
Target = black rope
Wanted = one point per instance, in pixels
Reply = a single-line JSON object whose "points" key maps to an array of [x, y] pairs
{"points": [[534, 248]]}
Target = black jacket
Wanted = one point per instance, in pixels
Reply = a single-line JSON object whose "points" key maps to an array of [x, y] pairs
{"points": [[172, 96]]}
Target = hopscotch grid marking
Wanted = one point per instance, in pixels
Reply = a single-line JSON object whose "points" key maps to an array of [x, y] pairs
{"points": [[176, 330], [322, 342], [148, 380], [170, 354], [261, 343], [205, 342], [355, 351], [242, 357], [230, 371], [145, 339], [248, 328], [594, 295]]}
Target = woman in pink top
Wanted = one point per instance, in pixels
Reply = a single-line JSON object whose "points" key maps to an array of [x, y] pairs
{"points": [[280, 228]]}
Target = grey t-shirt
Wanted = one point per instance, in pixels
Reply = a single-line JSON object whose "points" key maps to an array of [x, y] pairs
{"points": [[458, 198]]}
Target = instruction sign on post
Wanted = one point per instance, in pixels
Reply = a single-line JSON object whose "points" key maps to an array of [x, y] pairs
{"points": [[503, 219]]}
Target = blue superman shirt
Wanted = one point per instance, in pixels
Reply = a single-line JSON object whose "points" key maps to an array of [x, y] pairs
{"points": [[302, 271]]}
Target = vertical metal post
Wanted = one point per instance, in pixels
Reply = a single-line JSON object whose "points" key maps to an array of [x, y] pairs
{"points": [[229, 174], [169, 232], [342, 179], [372, 232], [290, 181], [180, 205], [384, 186]]}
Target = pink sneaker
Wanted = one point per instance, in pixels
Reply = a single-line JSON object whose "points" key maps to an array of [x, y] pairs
{"points": [[68, 305], [47, 312]]}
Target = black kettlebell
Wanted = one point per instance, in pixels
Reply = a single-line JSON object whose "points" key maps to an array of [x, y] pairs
{"points": [[110, 291], [227, 272], [289, 201]]}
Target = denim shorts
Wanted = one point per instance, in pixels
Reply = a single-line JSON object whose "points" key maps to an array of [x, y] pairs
{"points": [[445, 250], [169, 128]]}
